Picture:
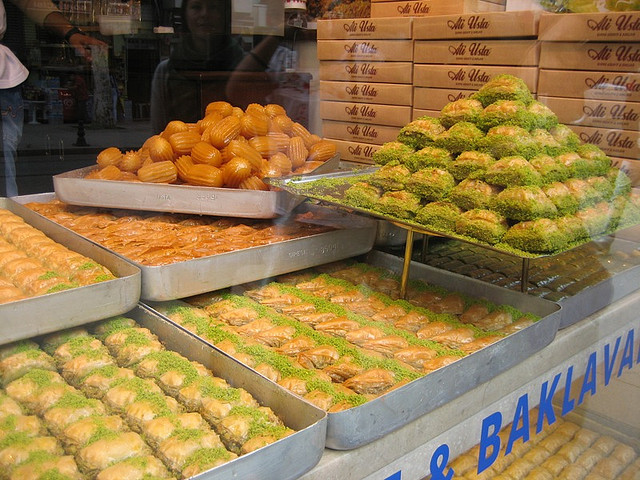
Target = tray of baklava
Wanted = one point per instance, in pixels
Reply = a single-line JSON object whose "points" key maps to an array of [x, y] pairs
{"points": [[583, 280], [571, 447], [339, 336], [133, 396], [52, 279], [182, 255]]}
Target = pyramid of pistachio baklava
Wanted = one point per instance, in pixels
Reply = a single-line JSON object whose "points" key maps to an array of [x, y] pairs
{"points": [[498, 168]]}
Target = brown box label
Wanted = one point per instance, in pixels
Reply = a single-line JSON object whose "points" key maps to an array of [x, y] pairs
{"points": [[383, 93], [477, 25], [594, 85], [477, 52], [366, 50], [365, 113], [383, 72], [468, 77], [617, 57], [373, 28], [614, 142], [359, 132], [582, 27], [595, 113], [436, 98], [356, 151]]}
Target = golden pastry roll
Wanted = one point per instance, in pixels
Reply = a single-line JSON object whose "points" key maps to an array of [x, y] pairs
{"points": [[42, 466], [19, 447], [387, 345], [412, 321], [111, 448], [130, 345], [456, 337], [363, 334], [589, 458], [276, 336], [416, 355], [389, 314], [338, 326], [318, 357], [432, 329], [191, 396], [205, 459], [439, 362], [79, 367], [320, 399], [107, 327], [171, 371], [78, 434], [161, 428], [127, 391], [24, 360], [342, 370], [177, 448], [147, 406], [8, 406], [217, 403], [135, 468], [52, 341], [480, 343], [70, 408], [97, 382], [296, 345], [244, 423], [368, 306], [256, 326], [79, 345]]}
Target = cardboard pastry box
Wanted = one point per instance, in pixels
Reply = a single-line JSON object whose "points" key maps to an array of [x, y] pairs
{"points": [[620, 86], [477, 25], [421, 8], [613, 141], [373, 28], [420, 112], [468, 77], [391, 115], [609, 57], [366, 50], [595, 113], [584, 27], [436, 98], [356, 151], [382, 72], [359, 132], [477, 52], [383, 93]]}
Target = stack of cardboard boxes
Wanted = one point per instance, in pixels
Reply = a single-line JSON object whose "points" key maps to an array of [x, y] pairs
{"points": [[365, 82], [589, 76], [454, 55], [419, 8]]}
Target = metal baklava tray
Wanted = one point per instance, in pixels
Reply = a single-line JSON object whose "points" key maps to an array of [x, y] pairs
{"points": [[54, 311], [73, 188], [354, 235], [357, 426], [583, 280]]}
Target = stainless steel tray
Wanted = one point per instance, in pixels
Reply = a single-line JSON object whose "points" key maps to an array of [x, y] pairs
{"points": [[68, 308], [287, 458], [355, 235], [566, 278], [72, 187], [360, 425]]}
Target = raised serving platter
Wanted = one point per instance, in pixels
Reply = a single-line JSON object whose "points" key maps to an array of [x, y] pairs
{"points": [[68, 308]]}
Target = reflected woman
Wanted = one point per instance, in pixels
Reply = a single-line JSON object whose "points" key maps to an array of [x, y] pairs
{"points": [[205, 44]]}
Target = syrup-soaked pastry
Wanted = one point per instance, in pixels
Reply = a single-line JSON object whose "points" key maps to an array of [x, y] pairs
{"points": [[320, 399], [338, 326], [238, 316], [9, 407], [463, 463], [412, 321], [555, 441], [281, 300], [135, 468], [456, 337], [433, 329], [519, 469], [589, 458], [373, 381], [104, 329], [296, 345], [205, 459], [631, 472], [170, 370], [555, 464], [609, 467], [367, 307], [624, 453], [217, 403], [20, 358], [256, 326], [585, 436], [110, 449], [178, 447], [539, 473], [494, 320], [268, 371], [78, 345], [318, 357], [276, 336], [26, 389], [452, 303], [342, 370], [572, 451], [147, 406], [53, 341], [416, 356], [315, 318], [298, 308], [364, 334], [480, 343], [295, 385], [516, 326], [605, 444], [46, 466], [193, 394], [568, 428], [474, 313], [78, 434], [387, 345], [389, 314], [439, 362]]}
